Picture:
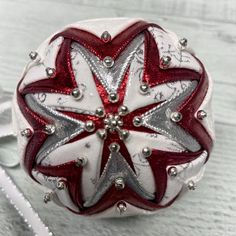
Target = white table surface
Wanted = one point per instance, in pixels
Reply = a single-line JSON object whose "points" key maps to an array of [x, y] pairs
{"points": [[210, 27]]}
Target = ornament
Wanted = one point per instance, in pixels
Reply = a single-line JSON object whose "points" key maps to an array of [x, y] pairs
{"points": [[114, 122]]}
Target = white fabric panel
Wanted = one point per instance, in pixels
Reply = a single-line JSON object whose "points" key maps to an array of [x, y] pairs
{"points": [[166, 44], [136, 142], [97, 26], [89, 147], [208, 122], [50, 183], [134, 99], [190, 171], [63, 102], [35, 71]]}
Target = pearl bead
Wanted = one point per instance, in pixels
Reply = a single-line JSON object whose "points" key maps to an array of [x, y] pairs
{"points": [[113, 97], [201, 114], [81, 161], [106, 37], [165, 61], [26, 133], [146, 152], [50, 72], [176, 116], [121, 207], [137, 121], [144, 88], [114, 147], [172, 171], [49, 129], [119, 183], [89, 126], [108, 62], [33, 55], [183, 42]]}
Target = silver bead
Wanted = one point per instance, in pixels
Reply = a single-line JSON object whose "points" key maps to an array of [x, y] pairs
{"points": [[137, 121], [114, 147], [26, 133], [108, 62], [183, 42], [114, 123], [120, 122], [191, 185], [113, 97], [124, 134], [165, 61], [106, 37], [81, 161], [102, 134], [123, 110], [144, 88], [50, 71], [201, 114], [146, 152], [119, 183], [176, 116], [60, 184], [47, 197], [89, 126], [121, 207], [100, 112], [49, 129], [76, 93], [33, 55], [172, 171]]}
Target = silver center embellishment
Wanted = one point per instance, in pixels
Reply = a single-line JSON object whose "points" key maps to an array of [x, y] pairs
{"points": [[113, 123]]}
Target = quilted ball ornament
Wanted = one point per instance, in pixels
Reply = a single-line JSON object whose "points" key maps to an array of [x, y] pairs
{"points": [[113, 117]]}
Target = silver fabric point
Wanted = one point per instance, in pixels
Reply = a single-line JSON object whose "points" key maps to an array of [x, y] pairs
{"points": [[119, 183], [191, 185], [89, 126], [108, 62], [146, 151], [106, 37], [50, 71], [172, 171], [176, 116], [49, 129], [121, 207], [115, 168], [76, 93], [26, 133], [201, 114]]}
